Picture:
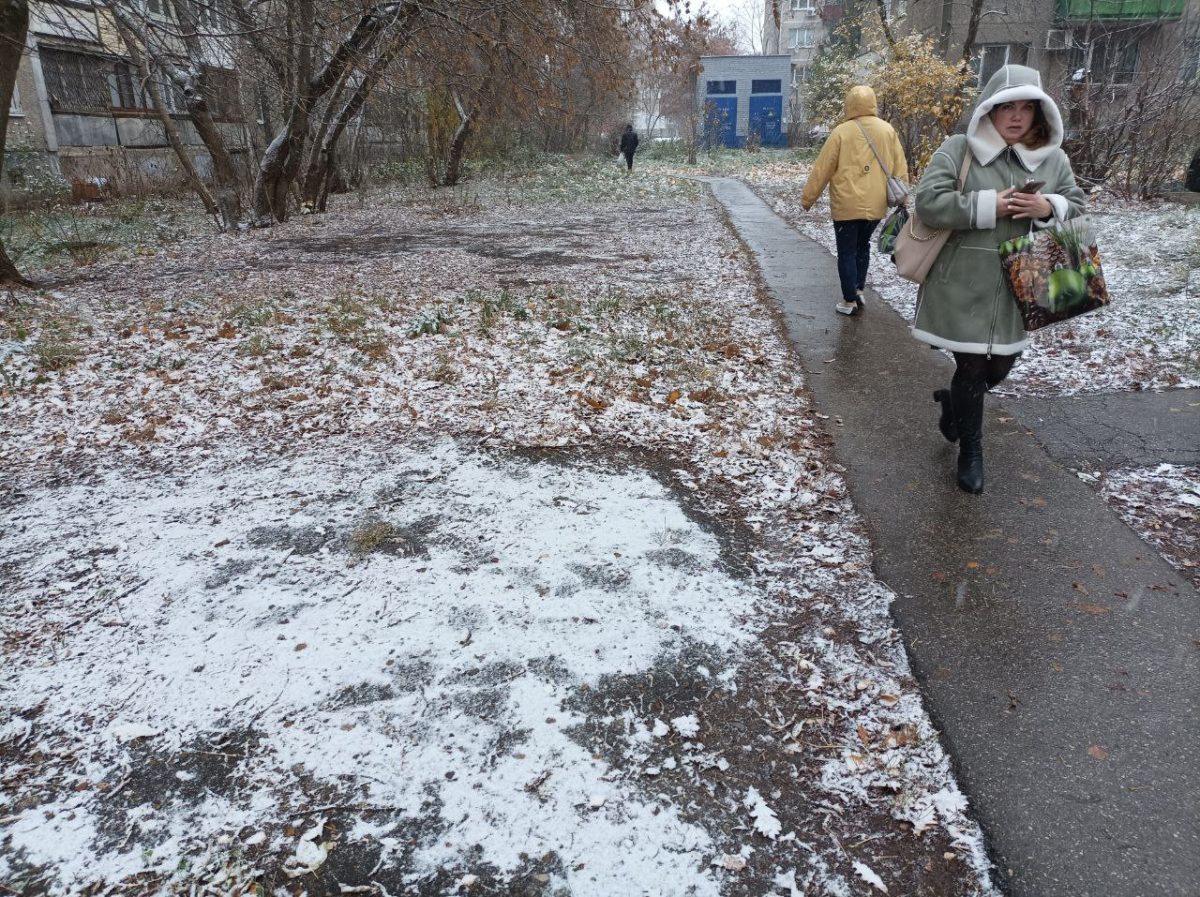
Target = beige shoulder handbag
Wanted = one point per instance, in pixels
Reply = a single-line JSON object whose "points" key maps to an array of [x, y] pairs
{"points": [[917, 246]]}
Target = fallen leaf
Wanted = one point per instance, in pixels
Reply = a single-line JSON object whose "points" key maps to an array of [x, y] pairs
{"points": [[972, 565], [733, 863], [1094, 609], [1097, 753], [301, 646], [226, 331], [1080, 587], [593, 403], [673, 397]]}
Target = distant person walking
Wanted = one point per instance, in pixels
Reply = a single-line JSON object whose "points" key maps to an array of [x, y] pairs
{"points": [[855, 162], [1018, 177], [629, 145]]}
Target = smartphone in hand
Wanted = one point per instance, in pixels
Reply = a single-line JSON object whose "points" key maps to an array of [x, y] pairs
{"points": [[1031, 187]]}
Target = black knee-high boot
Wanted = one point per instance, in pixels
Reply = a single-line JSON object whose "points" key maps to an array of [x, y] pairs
{"points": [[946, 423], [967, 395]]}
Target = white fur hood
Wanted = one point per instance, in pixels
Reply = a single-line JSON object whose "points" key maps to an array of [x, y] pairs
{"points": [[1011, 83]]}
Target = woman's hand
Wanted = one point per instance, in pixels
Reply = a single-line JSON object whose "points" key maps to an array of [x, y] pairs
{"points": [[1004, 206], [1029, 205]]}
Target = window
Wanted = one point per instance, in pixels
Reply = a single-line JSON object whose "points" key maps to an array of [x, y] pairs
{"points": [[990, 60], [131, 94], [808, 7], [801, 38], [222, 96], [14, 107], [766, 86], [78, 80], [1109, 60], [211, 17], [799, 75], [719, 87], [159, 9], [1190, 70]]}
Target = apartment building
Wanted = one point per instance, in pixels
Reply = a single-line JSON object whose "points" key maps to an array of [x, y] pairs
{"points": [[804, 25], [81, 112], [1098, 42]]}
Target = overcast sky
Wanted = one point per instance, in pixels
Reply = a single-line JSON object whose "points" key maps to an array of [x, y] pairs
{"points": [[728, 11]]}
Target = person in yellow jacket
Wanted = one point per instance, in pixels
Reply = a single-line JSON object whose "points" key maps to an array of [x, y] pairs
{"points": [[854, 163]]}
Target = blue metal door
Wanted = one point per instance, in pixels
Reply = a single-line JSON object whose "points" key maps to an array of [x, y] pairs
{"points": [[765, 116], [720, 120]]}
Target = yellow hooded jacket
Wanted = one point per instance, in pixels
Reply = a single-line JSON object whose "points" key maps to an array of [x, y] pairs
{"points": [[857, 184]]}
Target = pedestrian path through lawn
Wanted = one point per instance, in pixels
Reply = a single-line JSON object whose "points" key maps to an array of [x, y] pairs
{"points": [[1056, 650]]}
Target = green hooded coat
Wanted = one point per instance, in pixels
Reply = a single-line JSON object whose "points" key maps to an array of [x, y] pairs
{"points": [[965, 304]]}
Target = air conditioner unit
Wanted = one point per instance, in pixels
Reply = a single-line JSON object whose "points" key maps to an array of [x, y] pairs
{"points": [[1059, 39]]}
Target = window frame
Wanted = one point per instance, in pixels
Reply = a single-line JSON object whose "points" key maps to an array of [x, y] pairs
{"points": [[808, 31], [980, 61], [73, 80], [1190, 70], [1113, 51]]}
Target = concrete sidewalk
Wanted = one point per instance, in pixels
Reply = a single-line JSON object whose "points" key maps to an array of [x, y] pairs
{"points": [[1057, 652]]}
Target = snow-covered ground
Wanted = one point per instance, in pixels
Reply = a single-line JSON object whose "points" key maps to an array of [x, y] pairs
{"points": [[487, 544]]}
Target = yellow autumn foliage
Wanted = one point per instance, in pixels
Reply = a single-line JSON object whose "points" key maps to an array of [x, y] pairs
{"points": [[923, 96]]}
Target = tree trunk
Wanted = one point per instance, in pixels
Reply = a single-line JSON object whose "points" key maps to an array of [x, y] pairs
{"points": [[458, 144], [284, 156], [14, 26], [972, 29], [1192, 179], [693, 116], [881, 6], [310, 183], [185, 160], [225, 173], [316, 179], [191, 80]]}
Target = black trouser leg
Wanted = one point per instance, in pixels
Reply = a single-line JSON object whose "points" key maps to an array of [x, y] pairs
{"points": [[966, 393], [993, 371], [974, 375], [946, 422]]}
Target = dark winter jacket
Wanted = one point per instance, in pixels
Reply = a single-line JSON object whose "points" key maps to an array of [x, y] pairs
{"points": [[965, 304], [629, 142]]}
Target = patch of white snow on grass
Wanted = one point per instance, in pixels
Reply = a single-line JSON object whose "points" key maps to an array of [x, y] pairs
{"points": [[503, 588]]}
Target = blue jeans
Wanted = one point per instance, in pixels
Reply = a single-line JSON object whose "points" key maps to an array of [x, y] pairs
{"points": [[853, 254]]}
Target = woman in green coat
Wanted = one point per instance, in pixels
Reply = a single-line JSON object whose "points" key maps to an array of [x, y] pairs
{"points": [[964, 305]]}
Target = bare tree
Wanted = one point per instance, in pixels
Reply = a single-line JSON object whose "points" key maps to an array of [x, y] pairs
{"points": [[749, 26], [1133, 130], [311, 68], [175, 46], [14, 26], [154, 89]]}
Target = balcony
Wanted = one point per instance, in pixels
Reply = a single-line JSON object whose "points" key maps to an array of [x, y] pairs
{"points": [[1121, 10]]}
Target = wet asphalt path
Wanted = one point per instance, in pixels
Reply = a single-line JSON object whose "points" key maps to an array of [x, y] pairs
{"points": [[1057, 652]]}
